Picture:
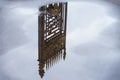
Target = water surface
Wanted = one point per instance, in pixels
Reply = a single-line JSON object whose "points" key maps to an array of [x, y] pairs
{"points": [[92, 43]]}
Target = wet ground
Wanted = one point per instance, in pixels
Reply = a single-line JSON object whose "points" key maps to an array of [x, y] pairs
{"points": [[93, 48]]}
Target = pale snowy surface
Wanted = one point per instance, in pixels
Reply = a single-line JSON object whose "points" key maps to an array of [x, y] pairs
{"points": [[93, 35]]}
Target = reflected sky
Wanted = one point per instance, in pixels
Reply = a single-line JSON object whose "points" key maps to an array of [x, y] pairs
{"points": [[92, 43]]}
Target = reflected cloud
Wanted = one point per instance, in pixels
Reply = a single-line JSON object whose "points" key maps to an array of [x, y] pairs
{"points": [[11, 34], [89, 26], [17, 25]]}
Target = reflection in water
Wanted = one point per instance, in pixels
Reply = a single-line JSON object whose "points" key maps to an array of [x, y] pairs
{"points": [[52, 35]]}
